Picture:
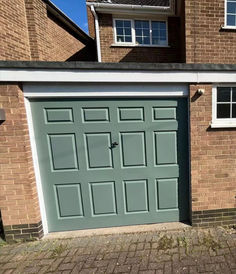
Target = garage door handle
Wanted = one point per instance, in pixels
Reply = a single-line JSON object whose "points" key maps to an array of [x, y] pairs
{"points": [[113, 145]]}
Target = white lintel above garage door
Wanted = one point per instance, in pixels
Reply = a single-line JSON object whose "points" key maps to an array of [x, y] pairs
{"points": [[104, 90]]}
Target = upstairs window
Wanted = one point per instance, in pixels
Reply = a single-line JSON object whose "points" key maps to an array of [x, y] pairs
{"points": [[140, 32], [231, 13]]}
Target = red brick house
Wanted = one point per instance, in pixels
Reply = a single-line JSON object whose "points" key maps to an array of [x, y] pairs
{"points": [[146, 135]]}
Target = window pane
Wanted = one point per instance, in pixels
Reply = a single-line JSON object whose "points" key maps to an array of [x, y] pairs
{"points": [[231, 20], [223, 110], [163, 35], [138, 32], [234, 95], [119, 23], [138, 24], [231, 7], [163, 25], [120, 39], [155, 33], [127, 31], [128, 39], [155, 25], [146, 33], [234, 111], [139, 40], [155, 41], [146, 41], [223, 94], [119, 31], [127, 24], [145, 24]]}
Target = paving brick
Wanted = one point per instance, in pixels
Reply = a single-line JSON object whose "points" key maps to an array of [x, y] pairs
{"points": [[31, 259]]}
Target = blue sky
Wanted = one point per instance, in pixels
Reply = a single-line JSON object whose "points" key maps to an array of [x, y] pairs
{"points": [[75, 9]]}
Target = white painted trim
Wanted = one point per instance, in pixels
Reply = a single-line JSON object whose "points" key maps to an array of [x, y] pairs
{"points": [[99, 56], [103, 94], [106, 90], [220, 123], [117, 76], [36, 167], [110, 8], [229, 27]]}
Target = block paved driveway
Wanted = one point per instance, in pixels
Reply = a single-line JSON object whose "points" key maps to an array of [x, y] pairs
{"points": [[181, 251]]}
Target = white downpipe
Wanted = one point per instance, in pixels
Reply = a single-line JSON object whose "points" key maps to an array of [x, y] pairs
{"points": [[97, 33]]}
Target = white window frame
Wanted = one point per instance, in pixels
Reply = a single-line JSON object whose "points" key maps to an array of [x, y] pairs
{"points": [[133, 43], [221, 122], [226, 13]]}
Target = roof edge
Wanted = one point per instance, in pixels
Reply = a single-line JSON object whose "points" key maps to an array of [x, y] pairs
{"points": [[76, 31], [127, 6], [41, 65]]}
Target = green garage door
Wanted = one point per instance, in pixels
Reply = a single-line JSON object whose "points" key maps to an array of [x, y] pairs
{"points": [[112, 162]]}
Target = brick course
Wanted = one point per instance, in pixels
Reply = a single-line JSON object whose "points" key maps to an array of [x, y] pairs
{"points": [[18, 194], [213, 156]]}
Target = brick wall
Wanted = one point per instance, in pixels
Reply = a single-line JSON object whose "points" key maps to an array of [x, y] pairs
{"points": [[139, 54], [14, 38], [61, 44], [213, 157], [91, 22], [30, 33], [18, 194], [205, 41]]}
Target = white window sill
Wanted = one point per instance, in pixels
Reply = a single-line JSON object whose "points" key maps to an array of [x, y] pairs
{"points": [[223, 125], [228, 27], [139, 46]]}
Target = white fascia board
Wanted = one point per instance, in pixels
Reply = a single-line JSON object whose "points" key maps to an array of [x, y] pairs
{"points": [[121, 8], [118, 76], [89, 76]]}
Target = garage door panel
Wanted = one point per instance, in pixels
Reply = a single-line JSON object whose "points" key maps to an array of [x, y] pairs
{"points": [[136, 196], [167, 193], [133, 149], [99, 152], [58, 115], [96, 115], [63, 152], [69, 200], [88, 182], [131, 114], [103, 198], [165, 148]]}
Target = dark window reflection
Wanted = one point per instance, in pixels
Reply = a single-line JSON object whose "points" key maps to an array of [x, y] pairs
{"points": [[223, 111], [234, 111], [223, 94]]}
